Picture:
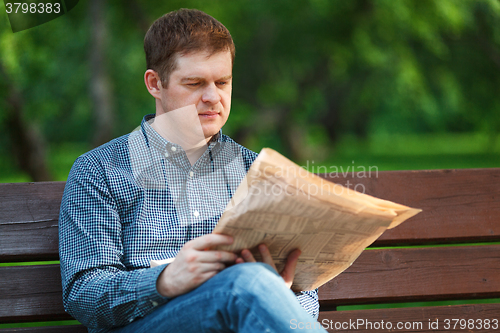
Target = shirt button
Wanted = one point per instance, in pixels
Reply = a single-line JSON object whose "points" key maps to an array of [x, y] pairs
{"points": [[196, 213], [173, 148], [154, 303], [191, 173], [166, 154]]}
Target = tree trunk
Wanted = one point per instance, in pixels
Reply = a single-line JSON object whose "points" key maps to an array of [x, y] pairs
{"points": [[100, 86], [27, 143]]}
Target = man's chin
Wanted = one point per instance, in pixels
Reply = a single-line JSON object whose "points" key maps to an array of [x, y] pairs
{"points": [[209, 135], [210, 131]]}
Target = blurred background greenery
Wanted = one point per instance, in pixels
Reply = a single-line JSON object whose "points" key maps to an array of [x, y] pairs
{"points": [[406, 84]]}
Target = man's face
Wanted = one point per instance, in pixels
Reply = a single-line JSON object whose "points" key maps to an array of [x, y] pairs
{"points": [[206, 82]]}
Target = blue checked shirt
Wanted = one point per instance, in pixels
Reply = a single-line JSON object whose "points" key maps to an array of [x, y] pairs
{"points": [[133, 200]]}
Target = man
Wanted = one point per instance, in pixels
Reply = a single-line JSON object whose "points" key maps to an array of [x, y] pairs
{"points": [[157, 193]]}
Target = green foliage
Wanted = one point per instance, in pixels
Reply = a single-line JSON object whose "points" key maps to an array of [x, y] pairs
{"points": [[307, 73]]}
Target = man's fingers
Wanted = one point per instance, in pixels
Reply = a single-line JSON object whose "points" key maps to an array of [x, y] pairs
{"points": [[247, 256], [240, 260], [210, 267], [288, 272], [294, 255], [266, 255], [216, 256], [209, 241]]}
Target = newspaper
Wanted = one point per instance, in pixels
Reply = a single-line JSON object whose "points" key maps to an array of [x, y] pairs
{"points": [[286, 207]]}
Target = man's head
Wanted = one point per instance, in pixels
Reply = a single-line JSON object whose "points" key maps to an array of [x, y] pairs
{"points": [[182, 32], [190, 59]]}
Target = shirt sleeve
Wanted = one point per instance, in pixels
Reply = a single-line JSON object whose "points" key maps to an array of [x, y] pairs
{"points": [[309, 301], [98, 290]]}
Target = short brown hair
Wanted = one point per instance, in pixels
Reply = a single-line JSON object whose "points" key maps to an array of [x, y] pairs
{"points": [[181, 32]]}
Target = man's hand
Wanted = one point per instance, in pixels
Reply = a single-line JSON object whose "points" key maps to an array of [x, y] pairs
{"points": [[194, 265], [288, 271]]}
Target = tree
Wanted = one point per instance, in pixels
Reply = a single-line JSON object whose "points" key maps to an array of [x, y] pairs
{"points": [[100, 85], [27, 144]]}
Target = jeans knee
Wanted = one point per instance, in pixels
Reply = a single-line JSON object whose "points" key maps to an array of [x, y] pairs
{"points": [[255, 279], [254, 269], [252, 273]]}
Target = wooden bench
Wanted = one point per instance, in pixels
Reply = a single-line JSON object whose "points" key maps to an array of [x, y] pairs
{"points": [[460, 207]]}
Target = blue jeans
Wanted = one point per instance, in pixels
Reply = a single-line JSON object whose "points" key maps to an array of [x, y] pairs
{"points": [[247, 298]]}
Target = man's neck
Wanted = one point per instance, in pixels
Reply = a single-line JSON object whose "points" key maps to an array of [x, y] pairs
{"points": [[194, 150], [195, 153]]}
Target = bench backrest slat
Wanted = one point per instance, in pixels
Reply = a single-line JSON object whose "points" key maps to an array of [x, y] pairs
{"points": [[29, 213], [458, 205]]}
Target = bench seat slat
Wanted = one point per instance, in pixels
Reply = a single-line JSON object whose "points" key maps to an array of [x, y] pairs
{"points": [[414, 315], [417, 274]]}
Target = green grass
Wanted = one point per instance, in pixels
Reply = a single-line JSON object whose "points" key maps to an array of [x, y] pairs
{"points": [[40, 323], [422, 144], [31, 263], [60, 159], [417, 304], [382, 152], [413, 152]]}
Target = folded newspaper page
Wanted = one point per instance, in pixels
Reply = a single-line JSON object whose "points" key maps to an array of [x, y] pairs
{"points": [[286, 207]]}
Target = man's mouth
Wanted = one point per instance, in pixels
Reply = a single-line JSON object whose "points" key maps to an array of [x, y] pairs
{"points": [[208, 114]]}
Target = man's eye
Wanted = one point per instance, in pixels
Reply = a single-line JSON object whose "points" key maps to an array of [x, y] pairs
{"points": [[194, 84], [222, 83]]}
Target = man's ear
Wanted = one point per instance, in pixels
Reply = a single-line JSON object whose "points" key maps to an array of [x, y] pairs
{"points": [[153, 83]]}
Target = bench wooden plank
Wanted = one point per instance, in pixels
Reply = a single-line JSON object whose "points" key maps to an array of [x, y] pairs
{"points": [[31, 293], [413, 316], [28, 222], [417, 274], [47, 329], [458, 205]]}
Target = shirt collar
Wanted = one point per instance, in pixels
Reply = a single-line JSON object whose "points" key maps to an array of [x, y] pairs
{"points": [[167, 148]]}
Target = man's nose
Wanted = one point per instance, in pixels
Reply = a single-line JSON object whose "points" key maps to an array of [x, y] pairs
{"points": [[211, 94]]}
